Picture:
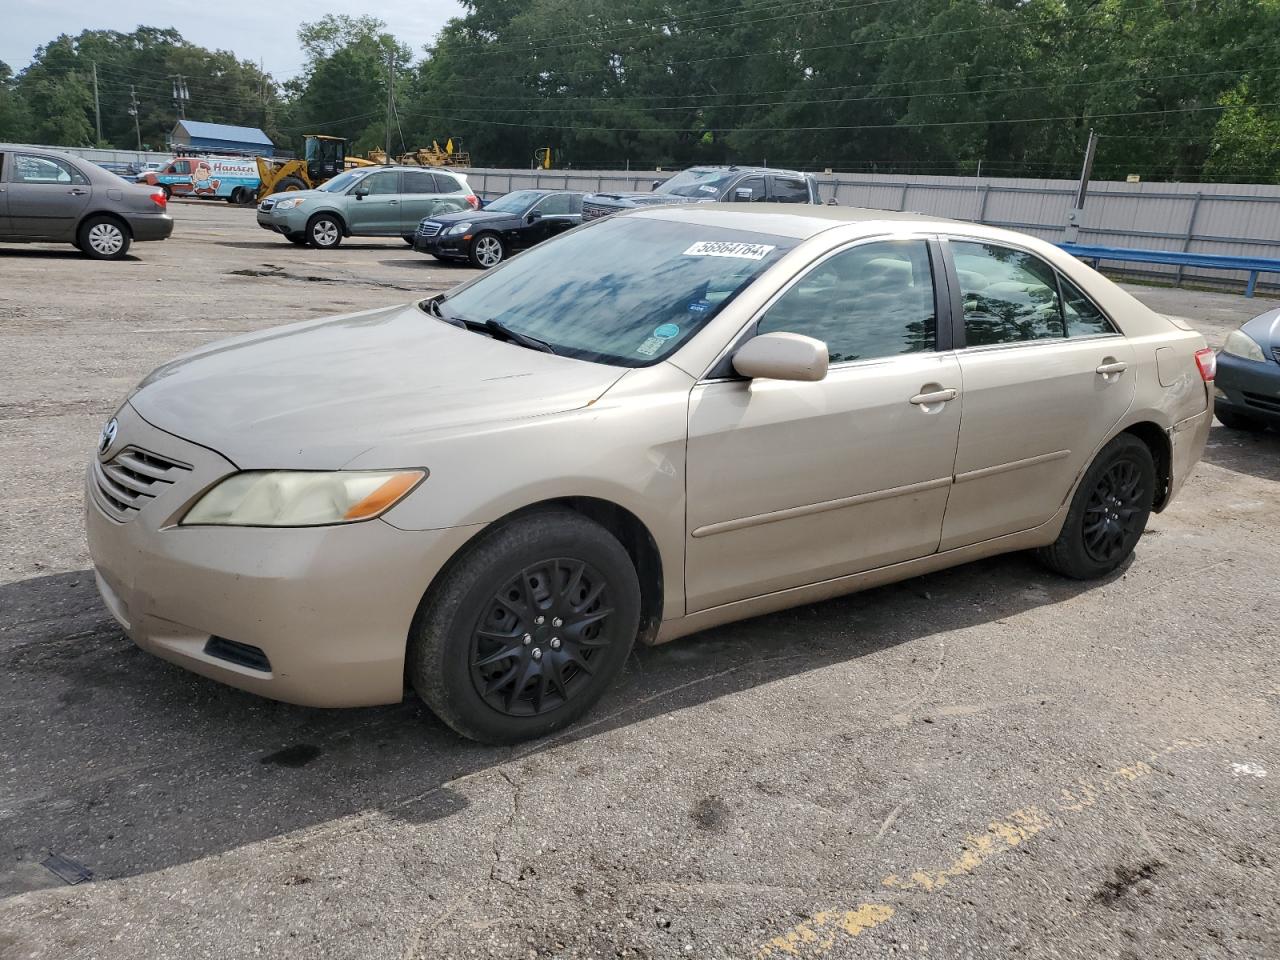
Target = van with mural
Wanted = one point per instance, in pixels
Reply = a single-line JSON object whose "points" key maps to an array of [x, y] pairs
{"points": [[234, 179]]}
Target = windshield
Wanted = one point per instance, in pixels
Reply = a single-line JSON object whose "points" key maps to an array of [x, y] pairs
{"points": [[705, 184], [517, 202], [341, 181], [585, 300]]}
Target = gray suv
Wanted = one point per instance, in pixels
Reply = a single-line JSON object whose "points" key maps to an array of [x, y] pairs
{"points": [[709, 185], [366, 202], [47, 195]]}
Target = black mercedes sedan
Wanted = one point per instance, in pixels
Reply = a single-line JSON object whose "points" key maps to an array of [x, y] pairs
{"points": [[1247, 388], [511, 223]]}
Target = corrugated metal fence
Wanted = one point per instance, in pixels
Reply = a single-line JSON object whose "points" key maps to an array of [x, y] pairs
{"points": [[1221, 218]]}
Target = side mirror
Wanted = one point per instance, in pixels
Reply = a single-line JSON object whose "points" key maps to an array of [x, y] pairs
{"points": [[782, 356], [743, 193], [832, 202], [534, 217], [361, 192], [655, 185]]}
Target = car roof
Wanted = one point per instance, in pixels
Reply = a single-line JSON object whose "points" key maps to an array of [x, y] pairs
{"points": [[785, 219], [737, 168]]}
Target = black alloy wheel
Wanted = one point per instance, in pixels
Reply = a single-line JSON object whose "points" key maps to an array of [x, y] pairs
{"points": [[1115, 506], [533, 647]]}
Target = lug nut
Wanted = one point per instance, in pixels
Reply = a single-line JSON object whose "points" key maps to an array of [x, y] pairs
{"points": [[557, 622], [536, 653], [528, 639], [555, 643], [539, 620]]}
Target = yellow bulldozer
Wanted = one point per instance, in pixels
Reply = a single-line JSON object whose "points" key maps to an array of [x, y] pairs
{"points": [[450, 155], [322, 158]]}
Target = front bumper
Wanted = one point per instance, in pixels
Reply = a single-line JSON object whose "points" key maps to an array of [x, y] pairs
{"points": [[293, 220], [329, 607], [1249, 388], [440, 245]]}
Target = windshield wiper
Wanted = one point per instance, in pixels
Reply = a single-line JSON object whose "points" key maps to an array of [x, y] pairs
{"points": [[433, 305], [515, 336]]}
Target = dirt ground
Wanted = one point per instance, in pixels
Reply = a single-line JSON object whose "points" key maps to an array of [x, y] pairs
{"points": [[985, 762]]}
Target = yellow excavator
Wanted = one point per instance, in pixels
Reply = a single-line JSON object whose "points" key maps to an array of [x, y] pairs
{"points": [[322, 158]]}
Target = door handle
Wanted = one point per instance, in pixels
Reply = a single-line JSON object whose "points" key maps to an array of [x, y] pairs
{"points": [[937, 396], [393, 201], [77, 192], [1112, 366]]}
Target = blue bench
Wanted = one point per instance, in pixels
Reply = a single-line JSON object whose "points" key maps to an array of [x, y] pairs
{"points": [[1213, 261]]}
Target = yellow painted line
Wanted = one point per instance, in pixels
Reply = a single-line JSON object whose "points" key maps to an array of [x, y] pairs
{"points": [[817, 935], [1001, 835], [821, 932]]}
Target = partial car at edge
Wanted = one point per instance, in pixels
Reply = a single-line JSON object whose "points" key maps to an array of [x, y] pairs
{"points": [[1248, 384]]}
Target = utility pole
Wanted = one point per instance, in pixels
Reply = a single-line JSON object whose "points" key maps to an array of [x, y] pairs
{"points": [[1077, 210], [180, 95], [391, 95], [97, 106], [133, 112]]}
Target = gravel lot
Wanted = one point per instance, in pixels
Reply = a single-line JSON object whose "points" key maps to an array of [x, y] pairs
{"points": [[989, 761]]}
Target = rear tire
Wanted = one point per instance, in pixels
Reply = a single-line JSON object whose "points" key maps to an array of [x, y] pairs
{"points": [[1239, 421], [555, 577], [103, 238], [1108, 512], [168, 194], [324, 232], [289, 185]]}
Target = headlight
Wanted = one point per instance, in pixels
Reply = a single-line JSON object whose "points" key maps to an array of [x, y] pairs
{"points": [[297, 498], [459, 228], [290, 203], [1240, 344]]}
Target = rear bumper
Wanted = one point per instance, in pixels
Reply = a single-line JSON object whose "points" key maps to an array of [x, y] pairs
{"points": [[1249, 388], [151, 227], [1187, 439]]}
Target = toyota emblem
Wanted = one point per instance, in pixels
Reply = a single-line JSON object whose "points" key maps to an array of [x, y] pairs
{"points": [[108, 436]]}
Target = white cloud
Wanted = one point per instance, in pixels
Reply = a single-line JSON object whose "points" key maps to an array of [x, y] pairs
{"points": [[252, 29]]}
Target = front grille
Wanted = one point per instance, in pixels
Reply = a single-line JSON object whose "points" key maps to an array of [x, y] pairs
{"points": [[593, 211], [1275, 352], [241, 654], [429, 228], [132, 478], [1262, 401]]}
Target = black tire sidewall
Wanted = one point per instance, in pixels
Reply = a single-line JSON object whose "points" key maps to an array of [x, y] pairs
{"points": [[440, 643], [1070, 556]]}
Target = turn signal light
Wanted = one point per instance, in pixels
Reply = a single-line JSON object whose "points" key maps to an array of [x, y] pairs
{"points": [[1207, 362], [159, 199]]}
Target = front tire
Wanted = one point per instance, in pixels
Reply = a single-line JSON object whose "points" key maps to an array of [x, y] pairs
{"points": [[1239, 421], [486, 250], [526, 631], [324, 232], [103, 238], [1108, 512]]}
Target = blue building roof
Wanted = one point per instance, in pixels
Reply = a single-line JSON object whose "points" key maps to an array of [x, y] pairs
{"points": [[223, 131]]}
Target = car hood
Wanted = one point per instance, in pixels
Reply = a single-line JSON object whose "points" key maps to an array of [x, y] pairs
{"points": [[473, 216], [1264, 329], [640, 199], [316, 395]]}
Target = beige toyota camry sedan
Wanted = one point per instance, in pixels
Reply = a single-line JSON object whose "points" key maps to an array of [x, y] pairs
{"points": [[656, 423]]}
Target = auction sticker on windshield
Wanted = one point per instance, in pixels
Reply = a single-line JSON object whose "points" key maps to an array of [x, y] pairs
{"points": [[728, 248]]}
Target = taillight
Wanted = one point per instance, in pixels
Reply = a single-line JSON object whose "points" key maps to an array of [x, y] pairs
{"points": [[159, 199], [1207, 362], [474, 201]]}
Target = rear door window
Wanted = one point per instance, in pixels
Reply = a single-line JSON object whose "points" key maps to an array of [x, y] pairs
{"points": [[419, 181], [790, 190], [1010, 296], [1083, 318], [28, 168]]}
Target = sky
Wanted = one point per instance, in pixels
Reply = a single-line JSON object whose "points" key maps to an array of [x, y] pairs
{"points": [[252, 29]]}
